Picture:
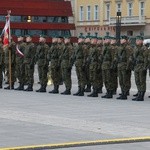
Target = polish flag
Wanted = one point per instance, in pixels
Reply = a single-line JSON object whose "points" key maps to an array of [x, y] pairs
{"points": [[6, 31]]}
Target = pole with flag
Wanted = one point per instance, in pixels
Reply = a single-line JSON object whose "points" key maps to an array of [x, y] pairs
{"points": [[7, 41]]}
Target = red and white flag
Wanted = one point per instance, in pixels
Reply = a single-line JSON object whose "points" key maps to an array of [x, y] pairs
{"points": [[6, 31]]}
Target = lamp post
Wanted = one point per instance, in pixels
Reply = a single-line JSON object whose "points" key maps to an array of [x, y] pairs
{"points": [[118, 27]]}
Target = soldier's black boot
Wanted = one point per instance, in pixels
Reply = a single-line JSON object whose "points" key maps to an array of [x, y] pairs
{"points": [[110, 94], [79, 89], [66, 92], [105, 96], [141, 97], [9, 87], [88, 88], [94, 94], [99, 90], [43, 89], [29, 88], [124, 95], [91, 95], [120, 97], [81, 93], [55, 90], [135, 95]]}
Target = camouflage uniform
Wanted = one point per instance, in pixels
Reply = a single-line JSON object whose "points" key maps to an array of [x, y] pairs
{"points": [[29, 61], [93, 70], [140, 70], [80, 60], [106, 72], [12, 49], [60, 48], [1, 64], [124, 59], [54, 56], [20, 67], [87, 73], [129, 72], [66, 65], [41, 58], [114, 72], [99, 68]]}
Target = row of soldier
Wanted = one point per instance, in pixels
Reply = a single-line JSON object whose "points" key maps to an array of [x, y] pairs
{"points": [[97, 61]]}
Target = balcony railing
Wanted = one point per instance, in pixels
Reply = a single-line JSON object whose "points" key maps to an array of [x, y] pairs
{"points": [[128, 20]]}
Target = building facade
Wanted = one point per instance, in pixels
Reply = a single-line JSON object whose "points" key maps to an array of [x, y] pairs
{"points": [[99, 17], [36, 17]]}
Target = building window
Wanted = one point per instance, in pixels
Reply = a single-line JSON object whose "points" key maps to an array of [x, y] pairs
{"points": [[81, 13], [96, 12], [118, 7], [88, 13], [107, 11], [130, 9], [142, 6]]}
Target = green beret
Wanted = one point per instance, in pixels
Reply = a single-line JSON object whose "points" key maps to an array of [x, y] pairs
{"points": [[139, 37], [43, 36], [94, 37], [113, 38], [124, 37], [28, 35], [67, 37], [107, 37], [99, 38], [81, 36]]}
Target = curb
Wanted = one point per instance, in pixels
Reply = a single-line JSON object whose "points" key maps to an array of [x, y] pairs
{"points": [[80, 144]]}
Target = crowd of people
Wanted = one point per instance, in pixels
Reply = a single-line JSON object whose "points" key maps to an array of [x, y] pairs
{"points": [[99, 62]]}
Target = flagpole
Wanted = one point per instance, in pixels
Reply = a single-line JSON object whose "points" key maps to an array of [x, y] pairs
{"points": [[9, 37]]}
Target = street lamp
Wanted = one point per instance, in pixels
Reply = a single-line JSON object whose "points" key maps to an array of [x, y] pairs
{"points": [[118, 27], [29, 19]]}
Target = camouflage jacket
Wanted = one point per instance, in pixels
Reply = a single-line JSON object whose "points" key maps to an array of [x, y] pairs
{"points": [[21, 47], [41, 54], [65, 57], [124, 57], [141, 58], [80, 55], [107, 57], [54, 54], [93, 57], [12, 49], [29, 53]]}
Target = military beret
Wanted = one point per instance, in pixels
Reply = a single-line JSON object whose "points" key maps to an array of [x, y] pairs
{"points": [[107, 37], [94, 37], [124, 37], [81, 36], [113, 37], [67, 37], [43, 36], [28, 35], [139, 37]]}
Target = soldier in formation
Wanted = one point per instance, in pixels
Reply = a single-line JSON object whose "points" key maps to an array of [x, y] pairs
{"points": [[97, 61]]}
